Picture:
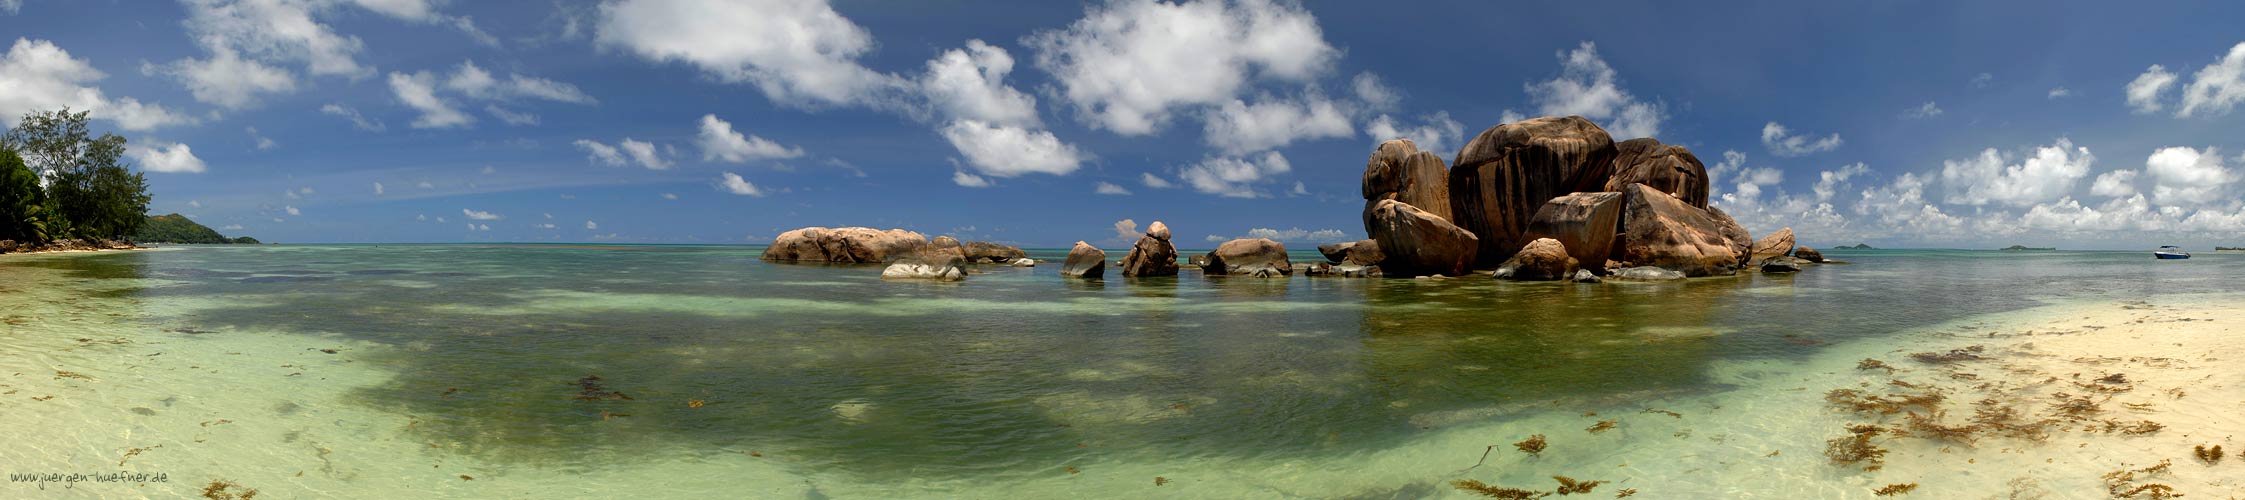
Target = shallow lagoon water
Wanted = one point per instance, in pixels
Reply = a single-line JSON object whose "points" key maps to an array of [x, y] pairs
{"points": [[764, 380]]}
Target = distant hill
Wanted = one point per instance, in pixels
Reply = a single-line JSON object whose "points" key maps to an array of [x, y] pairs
{"points": [[2016, 248], [176, 228], [1858, 246]]}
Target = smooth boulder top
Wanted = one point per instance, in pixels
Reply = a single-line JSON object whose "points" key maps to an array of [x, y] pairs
{"points": [[1777, 244], [1084, 261], [984, 251], [1260, 257], [1583, 222], [1580, 152], [1399, 171], [1544, 259], [1669, 168], [1417, 243], [1158, 230], [848, 244], [934, 265], [1151, 256], [1662, 231], [1808, 254]]}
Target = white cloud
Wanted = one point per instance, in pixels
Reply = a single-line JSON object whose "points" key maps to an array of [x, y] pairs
{"points": [[1239, 128], [2182, 175], [37, 75], [643, 153], [1127, 65], [511, 117], [263, 143], [274, 31], [2216, 88], [670, 196], [962, 178], [1104, 187], [2060, 92], [543, 226], [12, 6], [1003, 151], [1436, 134], [292, 211], [797, 52], [2115, 184], [1782, 142], [601, 154], [1153, 181], [472, 81], [1927, 110], [228, 81], [592, 225], [1586, 86], [1990, 178], [630, 151], [166, 158], [719, 141], [378, 189], [480, 215], [357, 120], [1297, 234], [418, 90], [1982, 80], [1373, 92], [733, 183], [2144, 92], [1234, 177], [1828, 182], [970, 84], [1127, 230]]}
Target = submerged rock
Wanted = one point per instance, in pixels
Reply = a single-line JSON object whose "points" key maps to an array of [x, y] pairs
{"points": [[1544, 259], [1084, 261], [1584, 276], [1644, 273], [1583, 222], [984, 251], [1808, 254], [849, 244], [933, 265], [1260, 257], [1417, 243], [1661, 231], [1023, 262], [1781, 264], [1152, 255], [1504, 175], [1665, 167]]}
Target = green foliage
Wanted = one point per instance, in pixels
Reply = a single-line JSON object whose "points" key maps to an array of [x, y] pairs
{"points": [[245, 240], [91, 193], [22, 202], [176, 228]]}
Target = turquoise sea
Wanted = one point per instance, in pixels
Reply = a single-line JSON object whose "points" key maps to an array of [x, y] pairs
{"points": [[563, 371]]}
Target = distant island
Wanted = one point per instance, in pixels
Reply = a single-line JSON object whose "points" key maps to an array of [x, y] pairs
{"points": [[2229, 249], [2016, 248], [176, 228], [1858, 246]]}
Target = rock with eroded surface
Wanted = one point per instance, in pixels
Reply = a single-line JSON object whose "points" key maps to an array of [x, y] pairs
{"points": [[1417, 243], [1544, 259], [1504, 175], [848, 244], [1259, 257]]}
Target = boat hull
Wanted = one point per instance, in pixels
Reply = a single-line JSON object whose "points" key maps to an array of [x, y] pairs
{"points": [[2165, 256]]}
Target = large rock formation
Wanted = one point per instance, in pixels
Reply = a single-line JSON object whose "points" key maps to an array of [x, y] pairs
{"points": [[1544, 259], [1085, 261], [1399, 171], [1808, 254], [1777, 244], [1152, 255], [1258, 257], [1585, 223], [1360, 252], [1417, 243], [1505, 174], [983, 251], [934, 263], [1666, 167], [849, 244], [1662, 231]]}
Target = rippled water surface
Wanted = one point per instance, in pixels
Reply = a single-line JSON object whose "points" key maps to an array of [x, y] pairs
{"points": [[559, 371]]}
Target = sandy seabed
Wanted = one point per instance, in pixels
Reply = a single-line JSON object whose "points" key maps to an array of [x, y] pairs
{"points": [[2096, 399]]}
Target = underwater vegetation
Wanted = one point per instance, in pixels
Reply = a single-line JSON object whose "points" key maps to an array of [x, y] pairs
{"points": [[1533, 445], [2124, 483], [1567, 486], [226, 490], [1895, 489], [2209, 455]]}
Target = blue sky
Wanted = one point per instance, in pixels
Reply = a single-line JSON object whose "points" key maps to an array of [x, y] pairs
{"points": [[1939, 124]]}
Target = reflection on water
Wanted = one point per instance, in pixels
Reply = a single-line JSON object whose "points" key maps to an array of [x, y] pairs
{"points": [[1017, 372]]}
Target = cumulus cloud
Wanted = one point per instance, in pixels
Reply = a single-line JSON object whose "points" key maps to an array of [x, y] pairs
{"points": [[292, 211], [1782, 142], [2216, 88], [797, 52], [378, 189], [472, 81], [733, 183], [630, 151], [263, 143], [1993, 177], [1006, 151], [1154, 181], [719, 142], [2144, 92], [1436, 132], [1127, 230], [418, 91], [969, 84], [37, 75], [2115, 184], [1128, 65], [1375, 93], [2060, 92], [1927, 110], [964, 179], [510, 117], [1828, 182], [1234, 177], [1109, 188], [2182, 175], [1297, 234], [166, 157], [357, 120], [480, 215], [592, 225], [1238, 127], [227, 80], [1587, 86]]}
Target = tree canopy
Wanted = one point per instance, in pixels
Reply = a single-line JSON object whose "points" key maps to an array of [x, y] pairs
{"points": [[89, 189]]}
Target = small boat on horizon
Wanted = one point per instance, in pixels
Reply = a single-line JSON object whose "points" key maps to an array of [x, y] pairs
{"points": [[2170, 252]]}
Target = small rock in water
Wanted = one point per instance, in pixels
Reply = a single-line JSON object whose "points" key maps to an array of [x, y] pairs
{"points": [[1584, 276], [1781, 265], [1646, 273], [1024, 262]]}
